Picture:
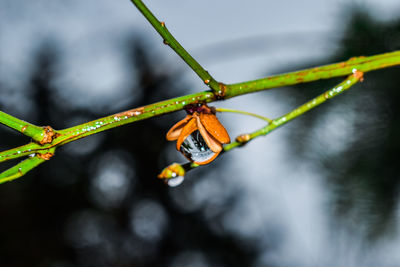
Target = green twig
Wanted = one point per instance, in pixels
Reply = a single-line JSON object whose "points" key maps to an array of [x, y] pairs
{"points": [[59, 138], [340, 88], [364, 64], [18, 152], [20, 169], [35, 132], [175, 104], [176, 46]]}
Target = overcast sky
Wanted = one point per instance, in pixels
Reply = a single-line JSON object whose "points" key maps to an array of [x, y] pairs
{"points": [[286, 31]]}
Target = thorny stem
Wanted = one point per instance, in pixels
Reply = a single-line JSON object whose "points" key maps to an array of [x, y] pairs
{"points": [[245, 138], [244, 113], [176, 46]]}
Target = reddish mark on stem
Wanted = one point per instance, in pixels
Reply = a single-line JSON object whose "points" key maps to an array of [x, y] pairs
{"points": [[45, 156], [130, 113], [359, 75], [24, 128], [221, 92], [48, 135]]}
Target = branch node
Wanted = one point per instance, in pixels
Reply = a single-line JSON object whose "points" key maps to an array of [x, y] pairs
{"points": [[220, 94], [172, 171], [45, 156], [359, 75], [243, 138], [48, 135]]}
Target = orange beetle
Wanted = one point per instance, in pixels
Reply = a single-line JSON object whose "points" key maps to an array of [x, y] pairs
{"points": [[199, 135]]}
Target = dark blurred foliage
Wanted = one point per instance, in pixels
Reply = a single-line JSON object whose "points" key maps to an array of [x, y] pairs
{"points": [[98, 201], [354, 139]]}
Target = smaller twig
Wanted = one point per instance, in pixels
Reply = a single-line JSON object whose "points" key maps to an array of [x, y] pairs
{"points": [[35, 132], [340, 88], [22, 151], [20, 169], [244, 113], [177, 47]]}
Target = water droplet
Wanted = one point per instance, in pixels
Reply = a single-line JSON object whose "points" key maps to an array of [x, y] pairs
{"points": [[195, 148], [175, 181]]}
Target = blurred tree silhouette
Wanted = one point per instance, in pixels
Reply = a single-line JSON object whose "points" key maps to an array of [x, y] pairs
{"points": [[99, 202], [354, 140]]}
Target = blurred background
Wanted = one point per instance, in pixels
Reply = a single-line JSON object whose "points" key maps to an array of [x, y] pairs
{"points": [[320, 191]]}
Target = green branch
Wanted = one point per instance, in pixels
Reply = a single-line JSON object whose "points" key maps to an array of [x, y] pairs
{"points": [[59, 138], [170, 171], [20, 169], [46, 140], [335, 91], [176, 46], [364, 64]]}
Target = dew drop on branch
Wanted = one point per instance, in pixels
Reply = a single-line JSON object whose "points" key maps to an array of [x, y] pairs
{"points": [[175, 181]]}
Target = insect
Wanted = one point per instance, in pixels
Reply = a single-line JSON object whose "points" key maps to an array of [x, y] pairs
{"points": [[199, 135]]}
